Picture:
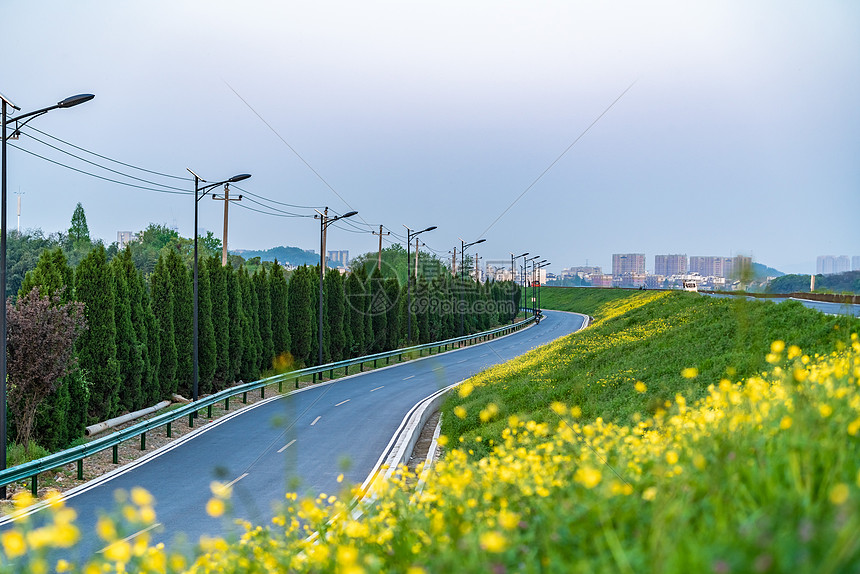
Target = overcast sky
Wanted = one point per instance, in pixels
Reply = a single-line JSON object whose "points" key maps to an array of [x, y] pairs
{"points": [[740, 133]]}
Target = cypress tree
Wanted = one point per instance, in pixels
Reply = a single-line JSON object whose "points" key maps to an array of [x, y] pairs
{"points": [[422, 310], [299, 314], [280, 321], [237, 324], [138, 303], [335, 314], [251, 328], [379, 313], [264, 312], [313, 357], [182, 294], [128, 351], [152, 388], [220, 321], [393, 314], [206, 351], [97, 344], [162, 307], [52, 275], [355, 303]]}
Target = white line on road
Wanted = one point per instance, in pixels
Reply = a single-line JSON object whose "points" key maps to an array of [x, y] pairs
{"points": [[438, 368], [129, 537], [286, 446], [229, 484], [341, 402], [409, 377], [463, 361], [315, 420], [377, 388]]}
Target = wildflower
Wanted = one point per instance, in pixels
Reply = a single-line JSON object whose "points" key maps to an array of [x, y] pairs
{"points": [[777, 346], [466, 389], [650, 493], [825, 410], [141, 496], [640, 387], [785, 423], [493, 541], [13, 543], [215, 507], [460, 412], [672, 457], [105, 529], [839, 493], [587, 476], [690, 373]]}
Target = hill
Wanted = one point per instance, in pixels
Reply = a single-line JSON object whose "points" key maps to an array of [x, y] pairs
{"points": [[838, 283], [294, 256]]}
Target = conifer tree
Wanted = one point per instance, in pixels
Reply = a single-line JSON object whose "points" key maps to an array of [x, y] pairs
{"points": [[162, 307], [264, 312], [280, 321], [393, 313], [251, 328], [52, 275], [299, 314], [313, 357], [138, 306], [379, 312], [237, 324], [220, 321], [97, 345], [206, 351], [128, 352], [181, 293], [355, 302], [152, 387], [335, 314]]}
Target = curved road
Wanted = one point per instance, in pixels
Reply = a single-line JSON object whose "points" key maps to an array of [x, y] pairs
{"points": [[298, 442]]}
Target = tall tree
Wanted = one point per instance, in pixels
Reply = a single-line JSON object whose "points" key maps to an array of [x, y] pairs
{"points": [[162, 308], [220, 321], [79, 232], [356, 301], [36, 324], [264, 312], [206, 348], [279, 298], [52, 275], [251, 328], [97, 345], [393, 313], [299, 314], [128, 351], [237, 324], [139, 306], [181, 292], [379, 307], [335, 314]]}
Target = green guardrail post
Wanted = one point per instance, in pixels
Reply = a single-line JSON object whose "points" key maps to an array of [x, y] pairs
{"points": [[80, 469], [313, 378], [143, 441], [281, 386], [116, 454], [346, 371], [245, 397], [262, 392], [297, 382], [169, 429], [209, 412], [34, 485], [227, 404], [374, 363], [191, 420], [361, 367], [387, 360], [331, 374]]}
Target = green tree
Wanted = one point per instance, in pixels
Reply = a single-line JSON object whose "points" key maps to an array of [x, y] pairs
{"points": [[264, 311], [79, 232], [94, 287], [335, 314], [128, 352], [356, 300], [181, 293], [162, 308], [393, 313], [300, 314], [237, 324], [279, 298], [144, 329], [379, 308], [251, 328], [52, 275], [220, 321], [206, 345]]}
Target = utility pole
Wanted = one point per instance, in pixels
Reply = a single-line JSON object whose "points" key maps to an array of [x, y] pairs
{"points": [[323, 256], [454, 262], [226, 199], [19, 193], [416, 259], [477, 271], [379, 257]]}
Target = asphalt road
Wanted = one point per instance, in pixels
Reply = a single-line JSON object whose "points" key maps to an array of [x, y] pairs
{"points": [[294, 443]]}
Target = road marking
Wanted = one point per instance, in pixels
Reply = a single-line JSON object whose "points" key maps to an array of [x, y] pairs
{"points": [[463, 361], [129, 537], [341, 402], [438, 368], [286, 446], [377, 388], [315, 420], [409, 377], [229, 484]]}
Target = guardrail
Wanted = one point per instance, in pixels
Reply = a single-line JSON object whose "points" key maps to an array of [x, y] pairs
{"points": [[78, 453]]}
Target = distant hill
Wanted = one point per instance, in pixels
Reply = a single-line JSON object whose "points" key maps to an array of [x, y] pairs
{"points": [[762, 271], [838, 283], [285, 255]]}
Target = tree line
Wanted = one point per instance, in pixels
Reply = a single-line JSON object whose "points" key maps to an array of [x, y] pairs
{"points": [[131, 335]]}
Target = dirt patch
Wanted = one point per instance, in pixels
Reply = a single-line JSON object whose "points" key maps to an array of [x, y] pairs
{"points": [[425, 439]]}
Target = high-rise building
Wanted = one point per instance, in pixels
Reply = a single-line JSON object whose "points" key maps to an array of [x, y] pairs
{"points": [[855, 263], [339, 257], [843, 264], [628, 263], [670, 264], [123, 238], [707, 265], [824, 265], [829, 264]]}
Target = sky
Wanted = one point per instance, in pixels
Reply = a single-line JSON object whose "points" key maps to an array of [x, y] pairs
{"points": [[572, 130]]}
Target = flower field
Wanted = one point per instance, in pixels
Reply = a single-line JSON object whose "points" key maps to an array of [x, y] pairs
{"points": [[633, 466]]}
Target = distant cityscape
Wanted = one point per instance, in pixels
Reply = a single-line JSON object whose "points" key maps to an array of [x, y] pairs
{"points": [[832, 264]]}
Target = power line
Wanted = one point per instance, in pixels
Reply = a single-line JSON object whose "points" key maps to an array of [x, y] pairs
{"points": [[277, 202]]}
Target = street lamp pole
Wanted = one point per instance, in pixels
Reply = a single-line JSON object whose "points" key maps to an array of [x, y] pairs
{"points": [[6, 104], [409, 235], [325, 221], [513, 283], [526, 278], [463, 247], [194, 321]]}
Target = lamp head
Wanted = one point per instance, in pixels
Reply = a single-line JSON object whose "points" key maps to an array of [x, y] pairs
{"points": [[429, 228], [348, 214], [480, 241], [239, 177], [75, 100]]}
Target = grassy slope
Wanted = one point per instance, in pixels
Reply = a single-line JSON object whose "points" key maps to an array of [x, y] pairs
{"points": [[643, 336]]}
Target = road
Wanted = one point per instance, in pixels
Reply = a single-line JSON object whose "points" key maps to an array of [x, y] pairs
{"points": [[294, 443], [823, 306]]}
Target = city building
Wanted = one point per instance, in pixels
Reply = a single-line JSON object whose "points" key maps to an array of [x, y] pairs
{"points": [[855, 263], [628, 263], [843, 264], [707, 265], [601, 280], [123, 238], [339, 257], [829, 264], [670, 264]]}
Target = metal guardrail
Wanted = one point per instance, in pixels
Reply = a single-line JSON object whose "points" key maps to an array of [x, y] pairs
{"points": [[78, 453]]}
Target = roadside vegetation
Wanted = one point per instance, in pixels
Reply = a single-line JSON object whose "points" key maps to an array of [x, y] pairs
{"points": [[677, 434]]}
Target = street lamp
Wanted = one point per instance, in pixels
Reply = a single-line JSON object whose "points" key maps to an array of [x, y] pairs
{"points": [[541, 265], [526, 277], [6, 103], [197, 197], [66, 103], [325, 221], [513, 282], [463, 247], [409, 235]]}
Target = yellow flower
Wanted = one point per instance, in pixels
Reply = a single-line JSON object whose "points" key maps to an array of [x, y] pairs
{"points": [[558, 408], [141, 496], [690, 373], [587, 476], [220, 490], [119, 551], [672, 457], [63, 566], [508, 520], [854, 427], [460, 412], [640, 387], [650, 493], [13, 543], [839, 493], [493, 541], [442, 440], [777, 346], [466, 389], [215, 507], [340, 478], [106, 529], [825, 410], [785, 423]]}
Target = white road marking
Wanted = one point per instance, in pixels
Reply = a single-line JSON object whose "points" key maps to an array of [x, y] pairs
{"points": [[286, 446], [129, 537], [377, 388], [341, 402], [409, 377], [438, 368], [315, 420], [229, 484]]}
